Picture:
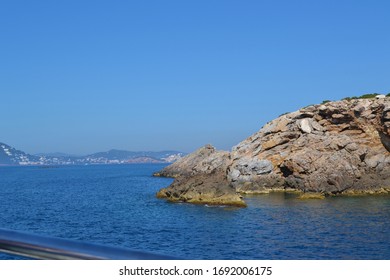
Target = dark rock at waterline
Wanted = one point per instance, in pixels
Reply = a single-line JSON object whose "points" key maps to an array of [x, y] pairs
{"points": [[201, 188]]}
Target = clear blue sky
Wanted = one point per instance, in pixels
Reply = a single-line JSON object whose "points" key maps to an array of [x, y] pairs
{"points": [[86, 76]]}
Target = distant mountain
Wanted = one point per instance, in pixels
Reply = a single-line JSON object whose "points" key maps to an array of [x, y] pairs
{"points": [[126, 155], [120, 156], [55, 155], [11, 156]]}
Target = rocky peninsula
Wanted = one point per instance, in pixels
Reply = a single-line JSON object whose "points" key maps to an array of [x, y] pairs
{"points": [[335, 148]]}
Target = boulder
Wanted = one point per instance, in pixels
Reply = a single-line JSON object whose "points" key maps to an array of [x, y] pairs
{"points": [[305, 125]]}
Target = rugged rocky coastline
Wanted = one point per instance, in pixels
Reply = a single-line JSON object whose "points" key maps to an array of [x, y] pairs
{"points": [[340, 147]]}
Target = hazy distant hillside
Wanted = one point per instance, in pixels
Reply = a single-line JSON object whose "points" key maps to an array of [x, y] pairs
{"points": [[11, 156], [125, 155], [55, 155], [120, 156]]}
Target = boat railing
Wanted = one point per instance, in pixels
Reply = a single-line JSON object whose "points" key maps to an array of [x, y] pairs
{"points": [[50, 248]]}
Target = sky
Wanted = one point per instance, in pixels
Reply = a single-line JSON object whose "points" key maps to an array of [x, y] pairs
{"points": [[85, 76]]}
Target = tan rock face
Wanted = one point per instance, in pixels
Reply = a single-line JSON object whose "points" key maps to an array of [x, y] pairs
{"points": [[201, 179], [327, 148], [204, 160], [337, 147]]}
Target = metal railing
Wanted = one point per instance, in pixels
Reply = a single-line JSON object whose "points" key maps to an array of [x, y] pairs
{"points": [[49, 248]]}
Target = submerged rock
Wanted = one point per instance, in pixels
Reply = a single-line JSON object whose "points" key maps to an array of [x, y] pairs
{"points": [[334, 148], [311, 196]]}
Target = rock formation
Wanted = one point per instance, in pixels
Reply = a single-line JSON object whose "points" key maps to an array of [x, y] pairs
{"points": [[204, 160], [212, 189], [201, 178], [335, 148]]}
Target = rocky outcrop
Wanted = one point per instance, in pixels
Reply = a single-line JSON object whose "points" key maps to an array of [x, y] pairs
{"points": [[201, 188], [201, 178], [204, 160], [334, 148]]}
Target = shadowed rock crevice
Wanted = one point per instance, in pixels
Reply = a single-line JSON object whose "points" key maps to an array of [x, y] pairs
{"points": [[286, 171], [385, 139]]}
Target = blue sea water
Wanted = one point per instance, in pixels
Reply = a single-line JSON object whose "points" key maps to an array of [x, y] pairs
{"points": [[116, 205]]}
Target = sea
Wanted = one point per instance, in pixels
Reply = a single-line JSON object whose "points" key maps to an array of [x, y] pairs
{"points": [[116, 205]]}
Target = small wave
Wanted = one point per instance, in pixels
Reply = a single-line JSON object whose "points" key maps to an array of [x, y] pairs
{"points": [[215, 206]]}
